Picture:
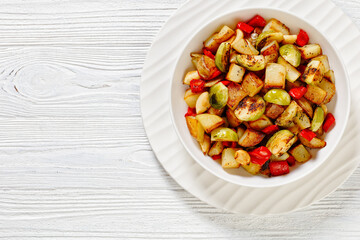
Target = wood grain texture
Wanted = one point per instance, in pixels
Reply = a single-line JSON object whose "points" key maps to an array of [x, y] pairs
{"points": [[75, 162]]}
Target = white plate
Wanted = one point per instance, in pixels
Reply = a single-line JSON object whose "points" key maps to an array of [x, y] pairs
{"points": [[338, 29]]}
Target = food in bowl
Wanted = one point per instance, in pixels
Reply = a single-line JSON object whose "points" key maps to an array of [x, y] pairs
{"points": [[257, 97]]}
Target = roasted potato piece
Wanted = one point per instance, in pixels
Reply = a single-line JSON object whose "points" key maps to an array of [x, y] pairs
{"points": [[287, 117], [228, 159], [260, 124], [210, 43], [236, 95], [306, 106], [216, 149], [325, 62], [215, 111], [314, 72], [203, 103], [240, 132], [330, 75], [205, 65], [205, 144], [236, 73], [314, 143], [252, 84], [295, 129], [191, 98], [329, 88], [233, 57], [315, 94], [281, 142], [242, 157], [302, 120], [243, 46], [232, 119], [195, 128], [273, 111], [300, 153], [224, 34], [191, 76], [296, 84], [292, 74], [251, 138], [271, 48], [209, 122], [310, 51], [275, 76], [276, 26], [252, 168], [289, 39]]}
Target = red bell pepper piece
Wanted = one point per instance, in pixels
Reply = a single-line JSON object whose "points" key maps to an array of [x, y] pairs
{"points": [[291, 161], [245, 27], [191, 112], [279, 168], [302, 38], [298, 93], [216, 157], [257, 21], [208, 53], [230, 144], [307, 134], [215, 74], [197, 85], [271, 129], [260, 155], [226, 83], [329, 122]]}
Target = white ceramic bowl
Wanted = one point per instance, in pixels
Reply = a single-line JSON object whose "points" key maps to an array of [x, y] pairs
{"points": [[340, 105]]}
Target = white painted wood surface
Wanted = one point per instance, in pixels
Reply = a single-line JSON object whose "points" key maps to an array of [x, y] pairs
{"points": [[75, 162]]}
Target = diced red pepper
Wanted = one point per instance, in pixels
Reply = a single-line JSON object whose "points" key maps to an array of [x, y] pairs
{"points": [[197, 85], [302, 38], [226, 83], [329, 122], [245, 27], [230, 144], [208, 53], [291, 161], [191, 112], [298, 93], [215, 74], [257, 21], [271, 129], [279, 168], [216, 157], [260, 155], [307, 134]]}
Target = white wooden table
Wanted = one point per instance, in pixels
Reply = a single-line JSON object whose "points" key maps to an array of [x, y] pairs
{"points": [[75, 162]]}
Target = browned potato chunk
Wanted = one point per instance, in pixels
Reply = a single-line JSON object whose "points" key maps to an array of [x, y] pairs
{"points": [[195, 128], [210, 43], [315, 143], [289, 39], [271, 48], [300, 153], [306, 106], [252, 84], [232, 119], [330, 75], [224, 34], [260, 124], [236, 73], [275, 76], [215, 111], [252, 168], [329, 88], [295, 129], [236, 94], [203, 103], [228, 159], [314, 72], [276, 26], [302, 120], [191, 76], [209, 122], [205, 144], [325, 62], [315, 94], [251, 138], [216, 149], [191, 98], [273, 110], [242, 157], [310, 51]]}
